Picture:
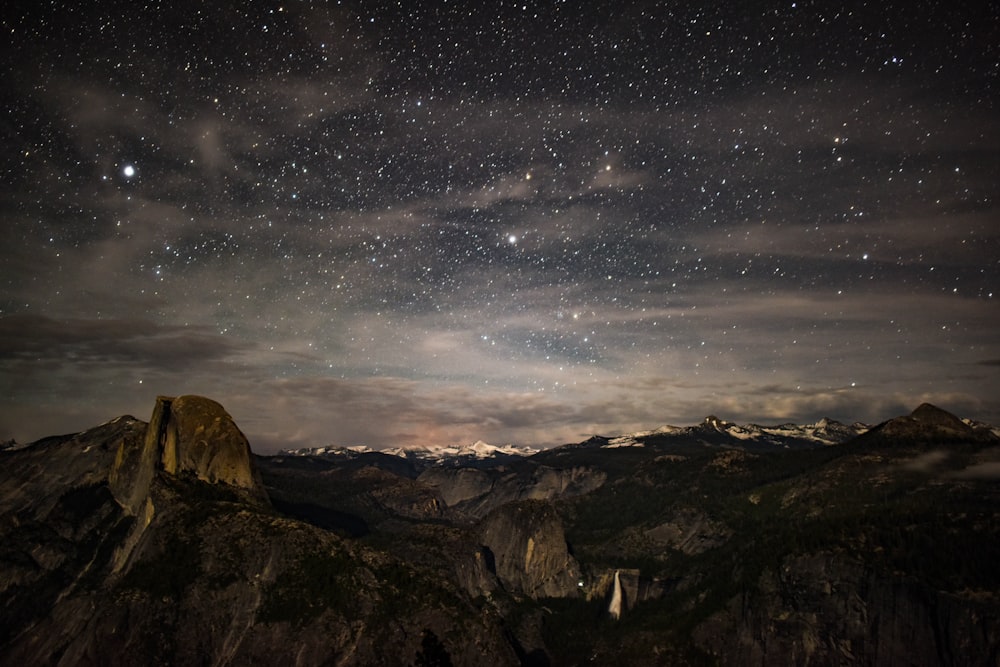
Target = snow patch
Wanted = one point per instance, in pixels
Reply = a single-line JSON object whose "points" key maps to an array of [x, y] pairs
{"points": [[478, 450]]}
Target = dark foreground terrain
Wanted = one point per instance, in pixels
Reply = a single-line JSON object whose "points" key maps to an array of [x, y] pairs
{"points": [[170, 543]]}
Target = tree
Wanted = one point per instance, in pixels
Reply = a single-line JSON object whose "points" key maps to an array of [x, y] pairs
{"points": [[432, 652]]}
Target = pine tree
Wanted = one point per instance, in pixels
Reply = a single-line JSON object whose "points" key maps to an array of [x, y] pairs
{"points": [[432, 652]]}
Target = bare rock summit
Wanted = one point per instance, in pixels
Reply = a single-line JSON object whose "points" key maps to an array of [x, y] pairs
{"points": [[186, 435], [928, 423], [199, 436]]}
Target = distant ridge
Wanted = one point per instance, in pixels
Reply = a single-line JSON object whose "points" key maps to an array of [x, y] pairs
{"points": [[929, 423], [479, 450], [824, 432], [714, 430]]}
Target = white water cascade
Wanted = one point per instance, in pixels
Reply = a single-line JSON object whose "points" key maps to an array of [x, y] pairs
{"points": [[615, 608]]}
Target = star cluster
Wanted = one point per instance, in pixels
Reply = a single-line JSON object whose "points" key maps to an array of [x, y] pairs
{"points": [[390, 224]]}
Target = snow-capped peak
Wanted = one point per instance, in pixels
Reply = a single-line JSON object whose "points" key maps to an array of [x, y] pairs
{"points": [[483, 449], [478, 450], [486, 450], [824, 432]]}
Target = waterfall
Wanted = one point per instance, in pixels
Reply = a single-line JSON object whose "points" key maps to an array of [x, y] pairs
{"points": [[615, 608]]}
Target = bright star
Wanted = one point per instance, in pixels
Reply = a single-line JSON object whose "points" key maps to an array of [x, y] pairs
{"points": [[128, 171]]}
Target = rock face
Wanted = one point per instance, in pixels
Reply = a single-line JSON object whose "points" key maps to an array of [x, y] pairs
{"points": [[200, 437], [476, 493], [187, 434], [827, 609], [457, 485], [529, 550], [689, 531], [623, 589]]}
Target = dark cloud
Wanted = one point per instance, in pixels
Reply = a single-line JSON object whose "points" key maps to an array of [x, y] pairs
{"points": [[136, 342]]}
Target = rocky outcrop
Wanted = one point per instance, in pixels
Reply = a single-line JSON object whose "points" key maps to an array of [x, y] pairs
{"points": [[199, 436], [689, 531], [186, 435], [829, 609], [529, 550], [400, 496], [131, 474], [457, 485], [475, 572], [37, 476], [476, 493], [548, 483]]}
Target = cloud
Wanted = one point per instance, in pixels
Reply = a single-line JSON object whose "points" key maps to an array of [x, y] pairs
{"points": [[988, 470], [388, 411], [131, 342], [927, 462]]}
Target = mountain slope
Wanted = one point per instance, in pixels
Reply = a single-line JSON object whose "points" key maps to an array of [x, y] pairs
{"points": [[846, 553], [156, 544], [155, 567]]}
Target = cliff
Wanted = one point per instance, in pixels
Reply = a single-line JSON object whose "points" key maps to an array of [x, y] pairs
{"points": [[185, 435], [529, 550], [827, 608], [474, 492], [200, 437]]}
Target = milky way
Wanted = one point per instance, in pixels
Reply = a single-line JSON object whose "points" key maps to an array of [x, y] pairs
{"points": [[363, 223]]}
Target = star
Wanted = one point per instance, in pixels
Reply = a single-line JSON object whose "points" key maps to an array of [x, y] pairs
{"points": [[389, 189]]}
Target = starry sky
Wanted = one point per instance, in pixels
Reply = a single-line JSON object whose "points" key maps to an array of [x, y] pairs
{"points": [[410, 223]]}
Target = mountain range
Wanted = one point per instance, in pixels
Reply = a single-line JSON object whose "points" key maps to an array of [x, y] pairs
{"points": [[823, 432], [169, 542]]}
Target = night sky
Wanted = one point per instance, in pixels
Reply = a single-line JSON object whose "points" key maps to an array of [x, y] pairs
{"points": [[430, 223]]}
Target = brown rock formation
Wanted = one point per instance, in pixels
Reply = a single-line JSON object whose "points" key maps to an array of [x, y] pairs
{"points": [[530, 552], [197, 435], [186, 435]]}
